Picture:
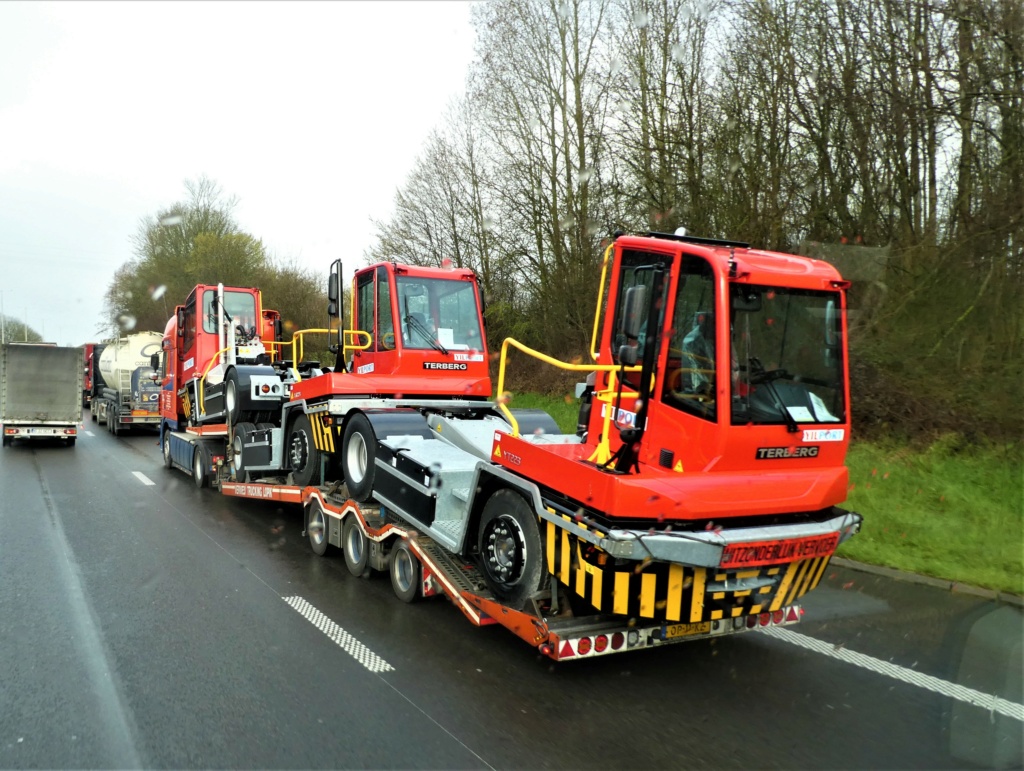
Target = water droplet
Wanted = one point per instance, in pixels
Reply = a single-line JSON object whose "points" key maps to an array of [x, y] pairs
{"points": [[641, 19], [158, 292], [171, 220]]}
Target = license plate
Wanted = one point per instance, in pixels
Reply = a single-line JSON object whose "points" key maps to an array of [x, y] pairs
{"points": [[672, 631], [755, 553]]}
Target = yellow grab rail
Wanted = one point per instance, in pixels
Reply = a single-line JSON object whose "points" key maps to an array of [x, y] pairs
{"points": [[509, 341]]}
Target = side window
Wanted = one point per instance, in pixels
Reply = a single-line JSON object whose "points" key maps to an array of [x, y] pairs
{"points": [[384, 340], [189, 337], [690, 375], [364, 303]]}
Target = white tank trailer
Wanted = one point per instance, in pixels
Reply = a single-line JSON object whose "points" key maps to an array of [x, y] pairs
{"points": [[124, 393]]}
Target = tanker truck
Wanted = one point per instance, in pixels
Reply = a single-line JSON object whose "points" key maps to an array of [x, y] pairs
{"points": [[124, 392]]}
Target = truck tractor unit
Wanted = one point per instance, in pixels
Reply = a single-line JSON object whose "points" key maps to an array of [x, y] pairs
{"points": [[697, 497], [87, 374], [40, 392], [124, 392]]}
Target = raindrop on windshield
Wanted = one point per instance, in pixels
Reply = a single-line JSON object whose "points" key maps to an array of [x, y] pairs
{"points": [[173, 219], [158, 292]]}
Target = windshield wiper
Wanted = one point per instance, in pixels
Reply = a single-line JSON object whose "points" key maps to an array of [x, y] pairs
{"points": [[425, 333], [765, 377]]}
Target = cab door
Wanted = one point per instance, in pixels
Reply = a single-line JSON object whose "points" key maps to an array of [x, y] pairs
{"points": [[374, 314]]}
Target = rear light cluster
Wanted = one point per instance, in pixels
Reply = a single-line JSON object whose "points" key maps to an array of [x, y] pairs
{"points": [[268, 389], [612, 642], [784, 616]]}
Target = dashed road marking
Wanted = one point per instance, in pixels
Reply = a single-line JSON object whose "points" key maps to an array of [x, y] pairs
{"points": [[143, 478], [343, 639], [89, 433], [942, 687]]}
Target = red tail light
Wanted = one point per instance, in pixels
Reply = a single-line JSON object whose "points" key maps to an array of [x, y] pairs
{"points": [[583, 647], [601, 643], [618, 640]]}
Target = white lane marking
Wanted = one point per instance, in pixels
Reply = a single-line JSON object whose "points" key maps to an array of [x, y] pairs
{"points": [[89, 433], [909, 676], [345, 641], [143, 478]]}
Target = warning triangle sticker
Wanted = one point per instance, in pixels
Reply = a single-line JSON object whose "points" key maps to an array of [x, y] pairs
{"points": [[497, 451], [678, 468]]}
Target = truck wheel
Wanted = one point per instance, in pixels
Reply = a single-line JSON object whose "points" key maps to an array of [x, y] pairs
{"points": [[316, 528], [200, 461], [231, 402], [92, 412], [510, 547], [406, 572], [242, 432], [167, 449], [71, 441], [303, 456], [356, 546], [359, 448]]}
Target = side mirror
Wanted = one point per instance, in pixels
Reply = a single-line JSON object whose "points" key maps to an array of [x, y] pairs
{"points": [[154, 362], [181, 323], [632, 311]]}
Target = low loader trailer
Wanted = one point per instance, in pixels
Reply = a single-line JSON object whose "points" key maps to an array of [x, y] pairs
{"points": [[697, 497]]}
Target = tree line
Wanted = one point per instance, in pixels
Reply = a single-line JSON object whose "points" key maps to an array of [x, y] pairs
{"points": [[886, 136], [197, 241]]}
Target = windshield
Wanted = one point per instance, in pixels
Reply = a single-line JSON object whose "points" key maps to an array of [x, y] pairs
{"points": [[786, 359], [240, 306], [438, 313]]}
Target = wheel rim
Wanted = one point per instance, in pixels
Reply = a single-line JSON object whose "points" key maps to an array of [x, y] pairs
{"points": [[299, 452], [506, 550], [230, 398], [167, 448], [355, 545], [236, 459], [355, 459], [197, 466], [403, 570], [317, 526]]}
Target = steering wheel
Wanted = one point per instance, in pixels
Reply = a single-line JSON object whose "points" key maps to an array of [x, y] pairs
{"points": [[387, 340], [766, 376]]}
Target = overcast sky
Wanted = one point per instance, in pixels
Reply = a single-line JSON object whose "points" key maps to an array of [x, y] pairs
{"points": [[311, 114]]}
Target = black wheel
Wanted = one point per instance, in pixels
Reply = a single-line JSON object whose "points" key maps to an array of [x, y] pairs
{"points": [[359, 448], [71, 441], [92, 412], [510, 548], [355, 545], [406, 572], [6, 441], [166, 447], [316, 528], [232, 405], [242, 432], [303, 456], [200, 462]]}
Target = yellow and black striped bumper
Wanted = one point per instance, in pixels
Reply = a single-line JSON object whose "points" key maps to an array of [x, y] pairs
{"points": [[662, 591]]}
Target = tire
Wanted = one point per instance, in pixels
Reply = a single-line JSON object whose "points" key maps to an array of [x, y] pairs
{"points": [[232, 406], [405, 571], [6, 441], [355, 545], [316, 528], [166, 449], [92, 413], [511, 556], [242, 432], [71, 441], [200, 460], [303, 456], [359, 448]]}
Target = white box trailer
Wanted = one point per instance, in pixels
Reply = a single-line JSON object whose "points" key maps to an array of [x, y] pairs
{"points": [[40, 392]]}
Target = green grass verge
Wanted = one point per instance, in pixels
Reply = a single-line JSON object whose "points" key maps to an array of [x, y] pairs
{"points": [[952, 510]]}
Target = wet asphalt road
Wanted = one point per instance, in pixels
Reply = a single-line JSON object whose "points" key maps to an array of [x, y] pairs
{"points": [[144, 626]]}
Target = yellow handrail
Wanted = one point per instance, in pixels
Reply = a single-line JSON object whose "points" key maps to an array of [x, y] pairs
{"points": [[600, 296], [202, 378], [509, 341]]}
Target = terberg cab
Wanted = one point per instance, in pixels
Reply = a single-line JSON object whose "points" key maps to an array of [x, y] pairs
{"points": [[697, 497]]}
